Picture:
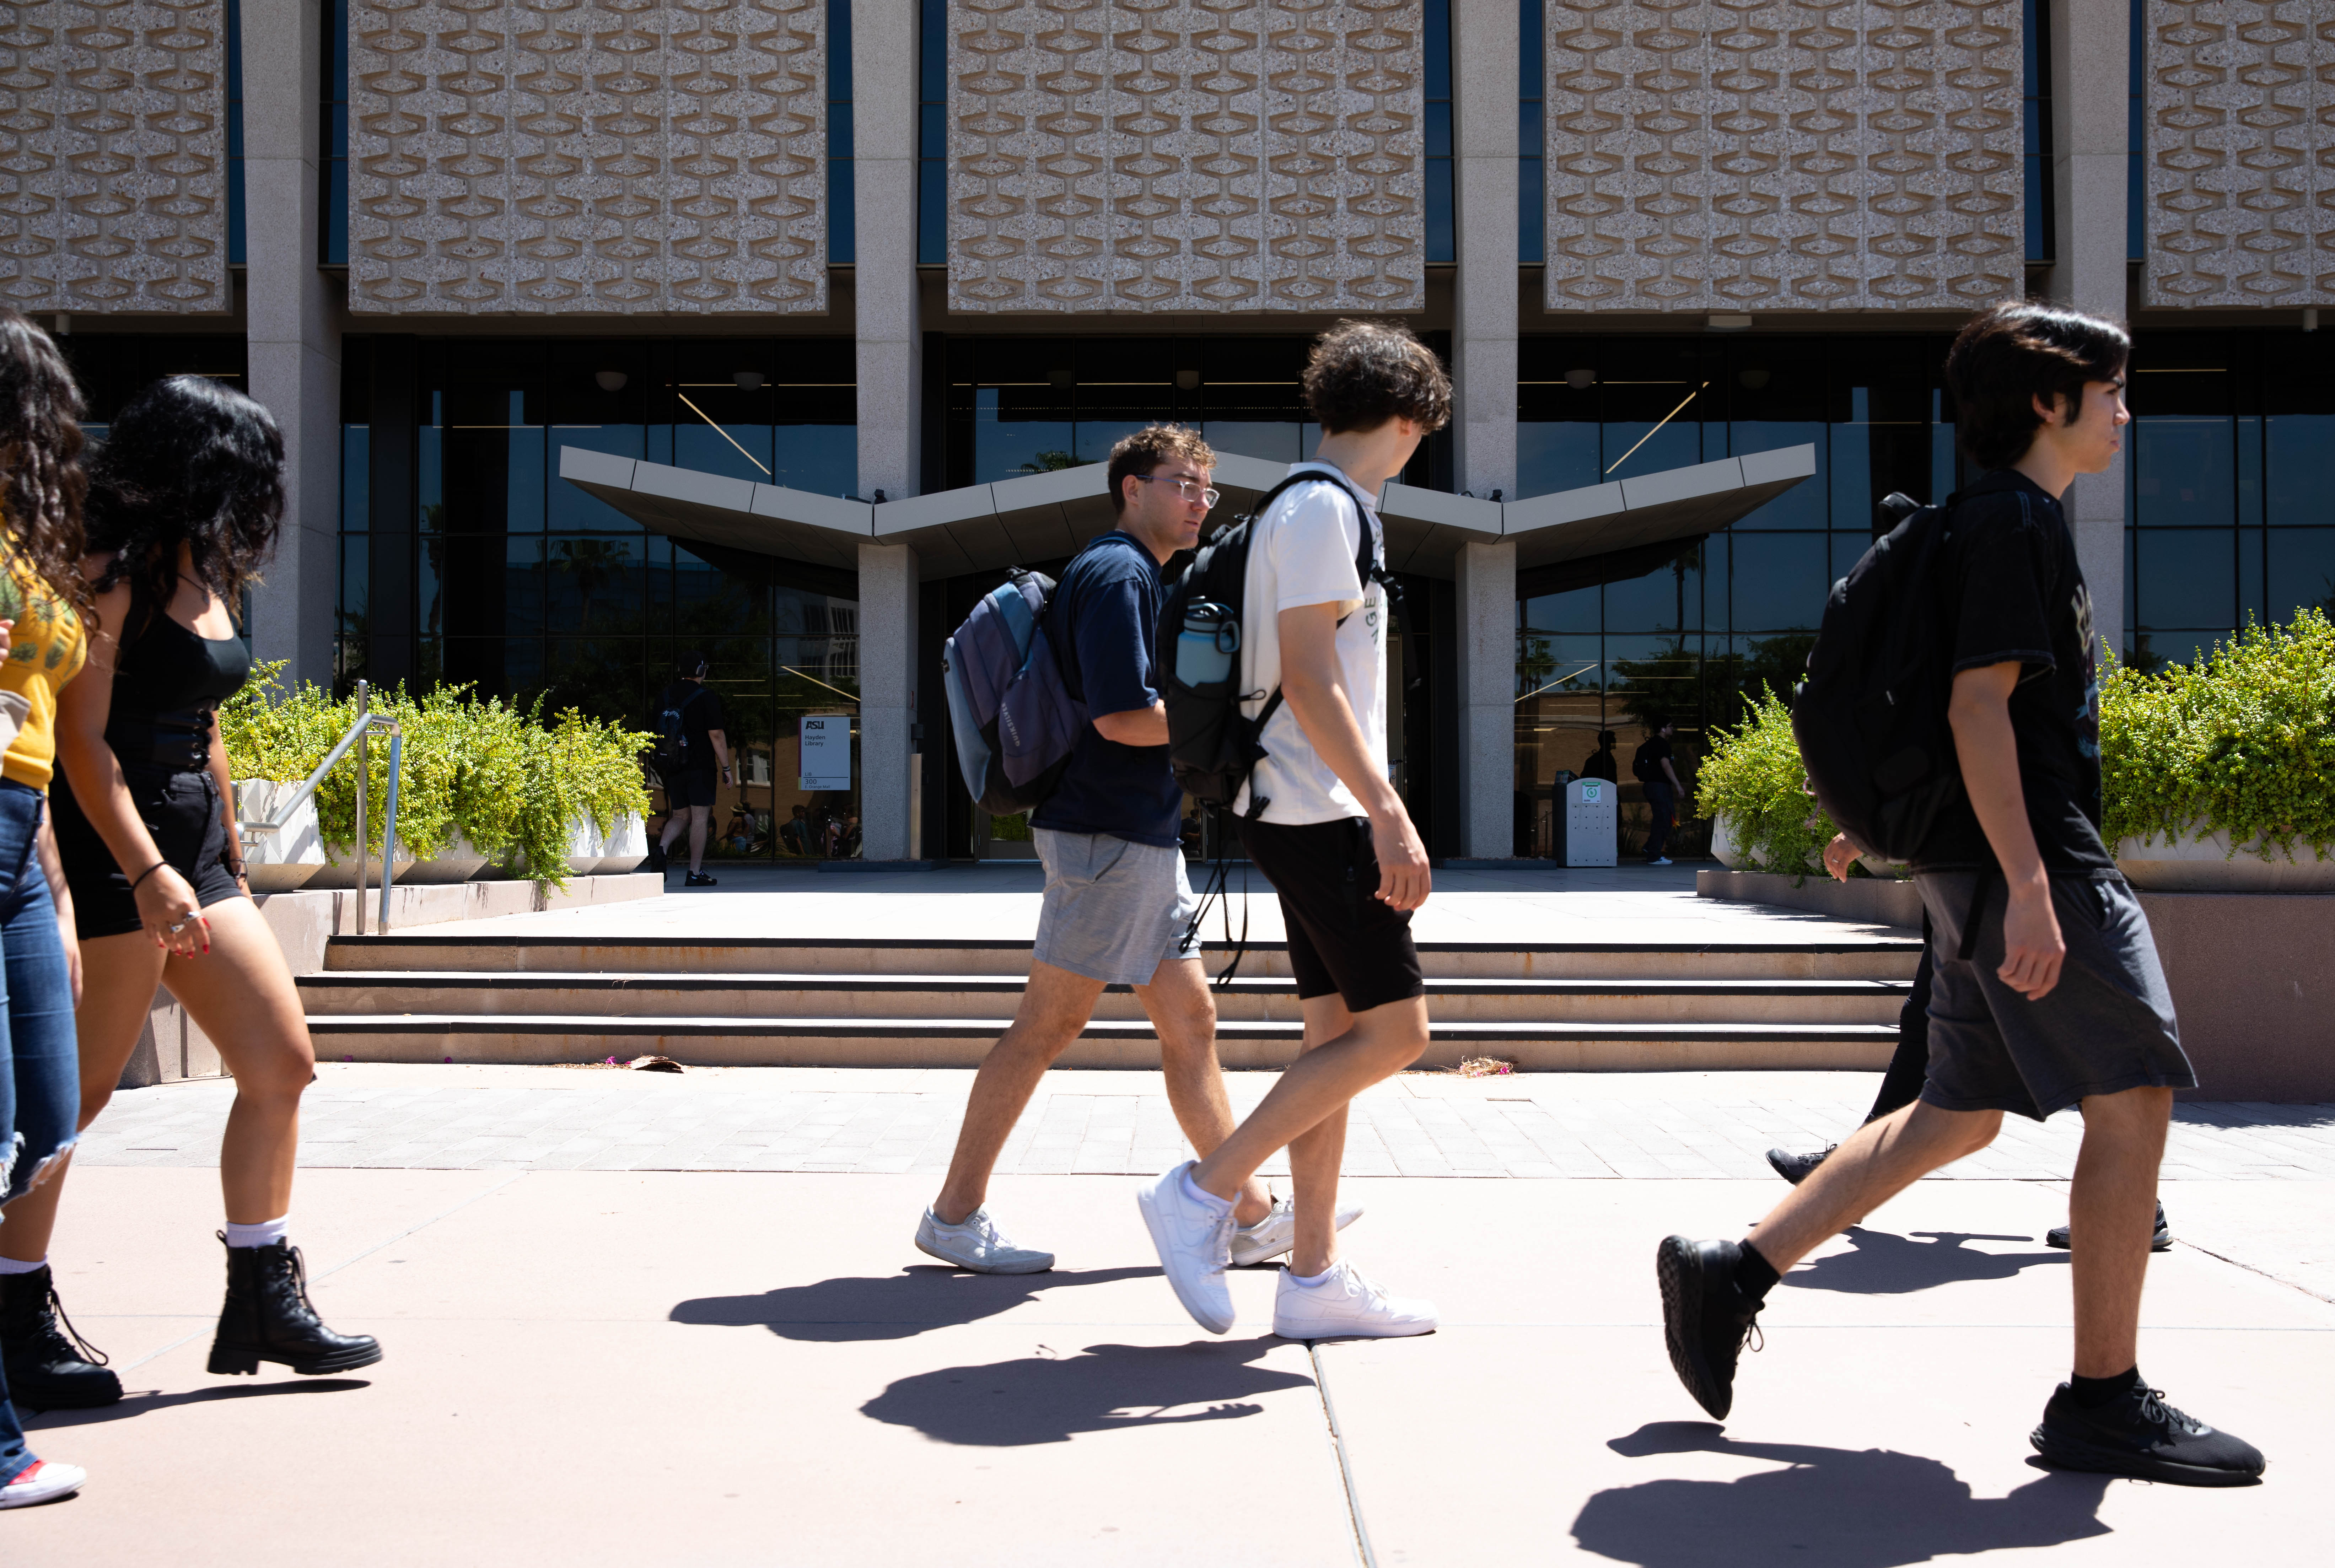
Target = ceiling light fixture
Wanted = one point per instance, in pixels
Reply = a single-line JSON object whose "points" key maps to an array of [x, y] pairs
{"points": [[610, 379], [1581, 380], [748, 380]]}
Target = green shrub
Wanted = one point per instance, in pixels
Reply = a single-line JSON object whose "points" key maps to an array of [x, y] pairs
{"points": [[1754, 778], [2241, 741], [498, 775]]}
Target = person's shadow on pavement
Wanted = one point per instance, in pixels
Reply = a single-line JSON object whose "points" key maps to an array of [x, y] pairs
{"points": [[145, 1402], [893, 1307], [1049, 1399], [1831, 1508], [1883, 1264]]}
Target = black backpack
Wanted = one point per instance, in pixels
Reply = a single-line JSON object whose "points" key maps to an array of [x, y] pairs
{"points": [[1643, 768], [1871, 714], [672, 735], [1212, 746]]}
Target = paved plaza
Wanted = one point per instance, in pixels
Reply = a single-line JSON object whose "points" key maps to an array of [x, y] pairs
{"points": [[636, 1317]]}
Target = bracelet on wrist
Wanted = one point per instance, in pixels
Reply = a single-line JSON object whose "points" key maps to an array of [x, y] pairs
{"points": [[145, 874]]}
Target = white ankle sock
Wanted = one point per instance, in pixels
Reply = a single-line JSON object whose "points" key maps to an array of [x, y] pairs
{"points": [[18, 1266], [1200, 1195], [1312, 1281], [266, 1233]]}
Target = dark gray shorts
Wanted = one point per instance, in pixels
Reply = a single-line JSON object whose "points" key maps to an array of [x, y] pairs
{"points": [[2107, 1027]]}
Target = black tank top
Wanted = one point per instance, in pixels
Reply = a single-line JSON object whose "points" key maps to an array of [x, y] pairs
{"points": [[166, 684]]}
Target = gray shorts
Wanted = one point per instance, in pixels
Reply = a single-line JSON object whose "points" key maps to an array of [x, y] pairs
{"points": [[2107, 1027], [1115, 911]]}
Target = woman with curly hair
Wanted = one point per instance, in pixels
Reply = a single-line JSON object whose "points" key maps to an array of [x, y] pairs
{"points": [[185, 500], [43, 601]]}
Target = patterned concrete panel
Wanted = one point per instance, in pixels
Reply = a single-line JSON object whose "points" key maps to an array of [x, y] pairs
{"points": [[2240, 207], [546, 156], [1187, 155], [1826, 155], [113, 156]]}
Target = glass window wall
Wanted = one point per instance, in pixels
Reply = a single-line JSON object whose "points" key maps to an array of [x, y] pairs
{"points": [[526, 588]]}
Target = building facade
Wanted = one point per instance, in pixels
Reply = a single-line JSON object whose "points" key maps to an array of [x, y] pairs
{"points": [[882, 272]]}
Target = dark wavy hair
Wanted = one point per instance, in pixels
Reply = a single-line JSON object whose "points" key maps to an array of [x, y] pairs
{"points": [[2011, 353], [192, 461], [1362, 373], [41, 478]]}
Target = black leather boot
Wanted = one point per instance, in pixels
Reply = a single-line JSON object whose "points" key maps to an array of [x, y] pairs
{"points": [[268, 1318], [50, 1365]]}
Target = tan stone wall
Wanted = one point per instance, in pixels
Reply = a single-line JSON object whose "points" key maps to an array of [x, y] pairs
{"points": [[113, 156], [2241, 153], [1854, 155], [537, 156], [1187, 155]]}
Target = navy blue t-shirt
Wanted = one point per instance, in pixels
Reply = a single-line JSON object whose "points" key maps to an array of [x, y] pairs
{"points": [[1103, 622]]}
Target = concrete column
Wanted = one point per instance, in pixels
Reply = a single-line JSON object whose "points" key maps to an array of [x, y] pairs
{"points": [[295, 341], [888, 697], [2089, 132], [1485, 598], [1484, 301], [884, 170]]}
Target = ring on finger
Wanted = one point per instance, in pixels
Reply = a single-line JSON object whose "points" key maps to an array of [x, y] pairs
{"points": [[178, 927]]}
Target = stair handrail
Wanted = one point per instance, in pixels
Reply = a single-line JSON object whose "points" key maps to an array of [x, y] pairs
{"points": [[368, 723]]}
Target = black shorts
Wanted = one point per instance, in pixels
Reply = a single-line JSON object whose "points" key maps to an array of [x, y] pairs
{"points": [[182, 812], [1342, 940], [691, 786]]}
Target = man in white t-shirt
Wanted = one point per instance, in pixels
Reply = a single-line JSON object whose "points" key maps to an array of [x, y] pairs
{"points": [[1320, 819]]}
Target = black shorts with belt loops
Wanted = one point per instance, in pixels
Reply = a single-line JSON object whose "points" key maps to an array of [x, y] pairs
{"points": [[1342, 939]]}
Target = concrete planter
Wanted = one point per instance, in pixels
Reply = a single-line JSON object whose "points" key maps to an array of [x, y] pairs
{"points": [[458, 861], [288, 859], [625, 847], [1723, 847], [1879, 900], [2204, 865]]}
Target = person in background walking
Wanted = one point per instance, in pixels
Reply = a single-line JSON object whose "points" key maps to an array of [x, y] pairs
{"points": [[1663, 791], [690, 789], [185, 502], [42, 646]]}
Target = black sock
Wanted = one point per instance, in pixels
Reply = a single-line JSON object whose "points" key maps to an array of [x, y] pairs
{"points": [[1753, 1276], [2091, 1393]]}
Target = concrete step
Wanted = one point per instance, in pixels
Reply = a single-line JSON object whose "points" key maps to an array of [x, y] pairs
{"points": [[961, 1043], [1260, 999], [1828, 958]]}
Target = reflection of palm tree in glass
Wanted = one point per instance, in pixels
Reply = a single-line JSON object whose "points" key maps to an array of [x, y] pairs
{"points": [[1534, 663], [591, 562], [1052, 462]]}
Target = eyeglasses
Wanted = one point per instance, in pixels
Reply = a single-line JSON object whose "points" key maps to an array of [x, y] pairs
{"points": [[1190, 488]]}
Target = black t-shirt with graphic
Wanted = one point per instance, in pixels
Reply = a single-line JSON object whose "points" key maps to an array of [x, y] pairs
{"points": [[2014, 590]]}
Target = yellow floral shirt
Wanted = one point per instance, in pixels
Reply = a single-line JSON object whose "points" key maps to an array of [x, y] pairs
{"points": [[46, 648]]}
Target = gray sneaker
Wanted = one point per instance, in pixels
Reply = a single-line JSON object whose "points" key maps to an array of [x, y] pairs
{"points": [[977, 1247], [1276, 1233]]}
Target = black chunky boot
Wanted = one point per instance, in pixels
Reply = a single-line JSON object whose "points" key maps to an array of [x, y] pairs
{"points": [[268, 1318], [50, 1365]]}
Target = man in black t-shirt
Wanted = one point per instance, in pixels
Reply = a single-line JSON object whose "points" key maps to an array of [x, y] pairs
{"points": [[1602, 762], [2046, 988], [691, 788]]}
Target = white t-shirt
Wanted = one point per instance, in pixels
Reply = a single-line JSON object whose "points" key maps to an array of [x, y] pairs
{"points": [[1303, 554]]}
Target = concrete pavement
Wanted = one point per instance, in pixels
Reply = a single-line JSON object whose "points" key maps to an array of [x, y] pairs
{"points": [[592, 1367]]}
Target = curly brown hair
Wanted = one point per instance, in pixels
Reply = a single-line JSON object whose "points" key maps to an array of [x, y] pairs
{"points": [[192, 462], [1149, 448], [1362, 373], [41, 482]]}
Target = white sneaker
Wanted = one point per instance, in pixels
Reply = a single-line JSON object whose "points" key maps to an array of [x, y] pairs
{"points": [[1660, 860], [1276, 1233], [1195, 1244], [1346, 1306], [42, 1482], [977, 1247]]}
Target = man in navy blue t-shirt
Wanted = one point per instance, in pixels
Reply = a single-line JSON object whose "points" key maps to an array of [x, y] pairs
{"points": [[1119, 908]]}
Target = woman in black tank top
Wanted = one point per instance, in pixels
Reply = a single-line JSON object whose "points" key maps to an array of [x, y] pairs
{"points": [[185, 500]]}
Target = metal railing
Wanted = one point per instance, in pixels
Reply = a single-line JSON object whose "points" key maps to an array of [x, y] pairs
{"points": [[368, 724]]}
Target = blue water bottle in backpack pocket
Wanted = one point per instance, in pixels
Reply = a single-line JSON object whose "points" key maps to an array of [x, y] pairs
{"points": [[1206, 646]]}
